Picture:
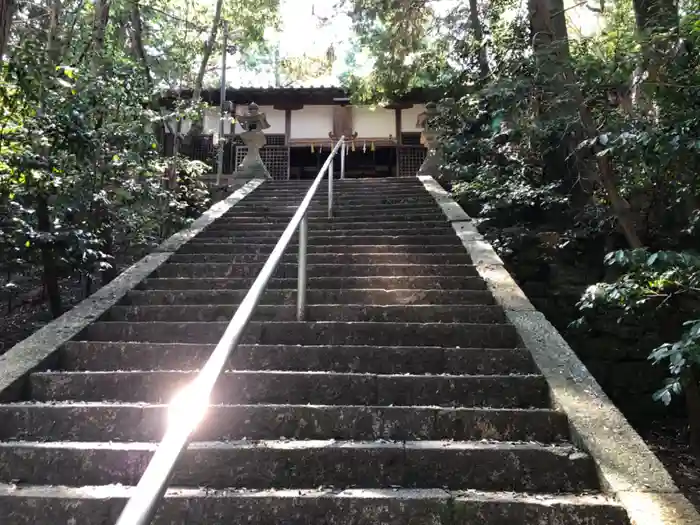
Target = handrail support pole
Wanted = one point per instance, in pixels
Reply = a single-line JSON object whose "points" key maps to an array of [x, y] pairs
{"points": [[342, 161], [301, 279], [330, 187], [152, 486]]}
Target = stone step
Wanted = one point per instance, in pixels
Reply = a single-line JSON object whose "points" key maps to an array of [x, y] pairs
{"points": [[92, 355], [276, 232], [330, 312], [318, 388], [318, 332], [357, 296], [321, 199], [266, 248], [389, 214], [344, 240], [321, 283], [265, 206], [331, 225], [342, 188], [328, 258], [49, 505], [138, 422], [299, 464], [291, 270]]}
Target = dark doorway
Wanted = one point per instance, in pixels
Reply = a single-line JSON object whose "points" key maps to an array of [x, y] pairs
{"points": [[381, 162]]}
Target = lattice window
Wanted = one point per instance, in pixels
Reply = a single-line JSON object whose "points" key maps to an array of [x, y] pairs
{"points": [[275, 140], [410, 160], [275, 158]]}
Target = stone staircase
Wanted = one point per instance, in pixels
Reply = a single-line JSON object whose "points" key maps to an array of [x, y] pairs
{"points": [[404, 399]]}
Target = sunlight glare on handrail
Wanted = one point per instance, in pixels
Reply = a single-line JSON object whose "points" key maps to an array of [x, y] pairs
{"points": [[189, 406]]}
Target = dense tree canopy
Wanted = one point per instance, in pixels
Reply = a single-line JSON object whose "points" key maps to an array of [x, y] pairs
{"points": [[81, 164], [592, 138]]}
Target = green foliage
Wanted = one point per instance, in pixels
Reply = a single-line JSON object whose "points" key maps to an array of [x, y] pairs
{"points": [[84, 184], [549, 131], [659, 286]]}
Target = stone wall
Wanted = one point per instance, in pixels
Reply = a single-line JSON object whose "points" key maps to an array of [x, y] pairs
{"points": [[554, 277]]}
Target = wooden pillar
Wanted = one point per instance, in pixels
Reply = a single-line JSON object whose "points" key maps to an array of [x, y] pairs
{"points": [[397, 112], [287, 125], [287, 137]]}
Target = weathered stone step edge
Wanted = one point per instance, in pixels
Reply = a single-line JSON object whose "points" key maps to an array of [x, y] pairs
{"points": [[97, 505], [390, 190], [454, 284], [333, 266], [473, 313], [317, 283], [290, 464], [415, 214], [333, 225], [370, 296], [266, 248], [404, 199], [104, 421], [83, 355], [432, 214], [240, 233], [346, 240], [341, 204], [291, 269], [315, 258], [297, 387], [316, 332]]}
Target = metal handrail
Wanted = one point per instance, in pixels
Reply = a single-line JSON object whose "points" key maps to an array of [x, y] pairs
{"points": [[191, 404]]}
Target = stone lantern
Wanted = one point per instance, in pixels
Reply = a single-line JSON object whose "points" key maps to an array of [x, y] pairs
{"points": [[429, 138], [253, 123]]}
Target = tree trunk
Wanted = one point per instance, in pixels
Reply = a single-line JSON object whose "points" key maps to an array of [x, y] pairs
{"points": [[475, 22], [7, 11], [137, 42], [554, 58], [48, 256], [197, 125], [657, 32]]}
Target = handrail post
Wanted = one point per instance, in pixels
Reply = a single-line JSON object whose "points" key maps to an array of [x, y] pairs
{"points": [[342, 161], [152, 486], [330, 187], [301, 279]]}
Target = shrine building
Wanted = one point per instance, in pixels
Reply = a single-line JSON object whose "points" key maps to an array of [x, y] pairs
{"points": [[304, 123]]}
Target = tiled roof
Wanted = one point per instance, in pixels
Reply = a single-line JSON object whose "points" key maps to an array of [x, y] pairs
{"points": [[270, 95]]}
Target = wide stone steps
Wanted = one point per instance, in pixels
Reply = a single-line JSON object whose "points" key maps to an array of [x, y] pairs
{"points": [[404, 398], [320, 283], [328, 258], [322, 387], [313, 332], [97, 355], [367, 296], [238, 232], [291, 270], [393, 506], [266, 247], [452, 313], [122, 421], [332, 226], [340, 240], [525, 467], [283, 217]]}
